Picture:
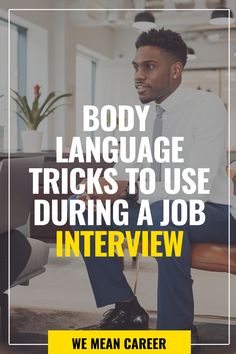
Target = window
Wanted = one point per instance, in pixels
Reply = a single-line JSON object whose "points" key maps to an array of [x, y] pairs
{"points": [[18, 78], [94, 86], [85, 85]]}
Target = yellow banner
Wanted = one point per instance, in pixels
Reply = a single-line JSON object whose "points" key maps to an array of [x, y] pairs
{"points": [[148, 341]]}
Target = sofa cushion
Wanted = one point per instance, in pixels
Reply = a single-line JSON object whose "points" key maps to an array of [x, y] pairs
{"points": [[38, 258]]}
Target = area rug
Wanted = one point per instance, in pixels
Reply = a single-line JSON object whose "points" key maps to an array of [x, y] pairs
{"points": [[31, 326]]}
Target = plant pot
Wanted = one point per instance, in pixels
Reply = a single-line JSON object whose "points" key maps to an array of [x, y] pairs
{"points": [[31, 140]]}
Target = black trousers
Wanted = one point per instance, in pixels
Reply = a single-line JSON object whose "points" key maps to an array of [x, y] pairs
{"points": [[20, 252]]}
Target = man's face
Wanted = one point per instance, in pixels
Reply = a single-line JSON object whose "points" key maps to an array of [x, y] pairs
{"points": [[153, 74]]}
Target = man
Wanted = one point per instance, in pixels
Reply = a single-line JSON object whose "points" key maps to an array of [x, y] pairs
{"points": [[201, 119]]}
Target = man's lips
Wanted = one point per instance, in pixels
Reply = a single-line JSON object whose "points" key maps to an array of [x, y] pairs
{"points": [[141, 88]]}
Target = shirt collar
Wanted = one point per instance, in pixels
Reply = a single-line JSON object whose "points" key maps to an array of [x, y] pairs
{"points": [[170, 102]]}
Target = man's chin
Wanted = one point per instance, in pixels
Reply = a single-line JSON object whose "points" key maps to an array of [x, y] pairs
{"points": [[145, 99]]}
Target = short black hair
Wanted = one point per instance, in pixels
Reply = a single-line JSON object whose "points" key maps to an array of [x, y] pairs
{"points": [[168, 40]]}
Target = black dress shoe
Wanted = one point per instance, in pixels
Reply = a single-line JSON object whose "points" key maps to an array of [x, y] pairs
{"points": [[119, 319]]}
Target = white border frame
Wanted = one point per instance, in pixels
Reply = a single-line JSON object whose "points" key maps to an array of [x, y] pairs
{"points": [[9, 155]]}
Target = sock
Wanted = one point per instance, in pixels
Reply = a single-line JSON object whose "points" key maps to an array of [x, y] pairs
{"points": [[130, 307]]}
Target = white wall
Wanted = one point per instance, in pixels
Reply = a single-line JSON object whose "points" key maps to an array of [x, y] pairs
{"points": [[208, 56], [97, 40], [36, 17], [118, 44]]}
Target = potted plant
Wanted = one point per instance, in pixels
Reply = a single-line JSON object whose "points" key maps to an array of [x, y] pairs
{"points": [[32, 117]]}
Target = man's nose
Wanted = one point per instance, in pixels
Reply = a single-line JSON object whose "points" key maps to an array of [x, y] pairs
{"points": [[140, 75]]}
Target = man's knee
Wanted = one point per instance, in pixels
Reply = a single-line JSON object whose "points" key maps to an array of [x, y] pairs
{"points": [[170, 213]]}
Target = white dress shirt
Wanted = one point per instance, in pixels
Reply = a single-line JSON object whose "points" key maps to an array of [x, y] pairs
{"points": [[201, 119]]}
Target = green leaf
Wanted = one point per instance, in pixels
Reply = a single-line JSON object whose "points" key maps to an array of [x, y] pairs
{"points": [[35, 104], [23, 104], [52, 110], [49, 97], [33, 117], [43, 116], [18, 103], [23, 118], [27, 110], [55, 100]]}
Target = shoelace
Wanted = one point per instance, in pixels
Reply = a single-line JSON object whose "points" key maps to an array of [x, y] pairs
{"points": [[108, 313]]}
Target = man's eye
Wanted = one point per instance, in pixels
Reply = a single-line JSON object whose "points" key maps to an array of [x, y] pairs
{"points": [[149, 66]]}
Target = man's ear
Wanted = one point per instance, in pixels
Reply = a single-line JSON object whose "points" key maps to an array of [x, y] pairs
{"points": [[176, 70]]}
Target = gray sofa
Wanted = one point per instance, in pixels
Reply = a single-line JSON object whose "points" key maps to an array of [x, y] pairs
{"points": [[28, 257]]}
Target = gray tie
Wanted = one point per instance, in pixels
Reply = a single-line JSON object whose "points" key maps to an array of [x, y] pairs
{"points": [[157, 131]]}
